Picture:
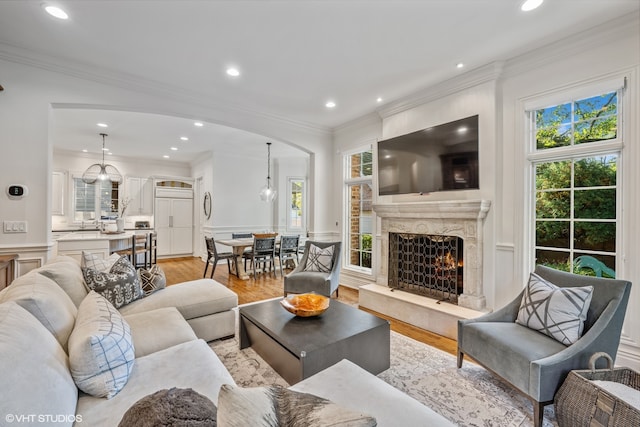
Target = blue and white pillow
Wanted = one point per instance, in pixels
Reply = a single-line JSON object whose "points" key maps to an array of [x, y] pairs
{"points": [[101, 352]]}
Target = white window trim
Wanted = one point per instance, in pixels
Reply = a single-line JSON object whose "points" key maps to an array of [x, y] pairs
{"points": [[533, 156], [346, 182], [303, 219]]}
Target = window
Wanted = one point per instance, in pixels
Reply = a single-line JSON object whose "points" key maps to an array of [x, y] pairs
{"points": [[359, 213], [295, 219], [94, 201], [576, 149]]}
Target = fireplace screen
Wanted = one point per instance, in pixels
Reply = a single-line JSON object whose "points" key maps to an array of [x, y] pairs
{"points": [[426, 264]]}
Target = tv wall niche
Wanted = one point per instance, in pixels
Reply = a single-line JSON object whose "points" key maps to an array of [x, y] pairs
{"points": [[438, 158]]}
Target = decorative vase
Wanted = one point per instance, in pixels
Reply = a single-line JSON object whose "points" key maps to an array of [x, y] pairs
{"points": [[120, 224]]}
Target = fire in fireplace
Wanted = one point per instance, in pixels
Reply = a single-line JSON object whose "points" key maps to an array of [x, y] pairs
{"points": [[426, 264]]}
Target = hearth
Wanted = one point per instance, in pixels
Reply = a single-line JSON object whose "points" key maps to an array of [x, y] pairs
{"points": [[427, 264]]}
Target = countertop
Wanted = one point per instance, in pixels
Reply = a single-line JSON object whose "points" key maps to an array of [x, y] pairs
{"points": [[96, 235]]}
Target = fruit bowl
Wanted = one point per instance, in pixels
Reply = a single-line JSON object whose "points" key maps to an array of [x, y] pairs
{"points": [[306, 305]]}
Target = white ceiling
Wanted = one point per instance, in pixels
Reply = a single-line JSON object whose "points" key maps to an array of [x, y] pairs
{"points": [[293, 55]]}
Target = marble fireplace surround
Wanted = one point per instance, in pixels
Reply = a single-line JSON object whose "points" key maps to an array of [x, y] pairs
{"points": [[461, 218]]}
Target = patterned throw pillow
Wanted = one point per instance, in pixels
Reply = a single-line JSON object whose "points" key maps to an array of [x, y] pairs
{"points": [[90, 260], [319, 259], [152, 280], [557, 312], [275, 405], [101, 352], [121, 285]]}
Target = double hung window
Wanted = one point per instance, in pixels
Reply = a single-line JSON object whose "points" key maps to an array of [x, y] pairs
{"points": [[359, 212], [576, 149]]}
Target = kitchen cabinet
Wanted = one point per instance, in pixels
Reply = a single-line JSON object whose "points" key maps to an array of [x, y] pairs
{"points": [[58, 192], [174, 225], [139, 191]]}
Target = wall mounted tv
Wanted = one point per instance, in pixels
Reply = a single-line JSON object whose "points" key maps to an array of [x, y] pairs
{"points": [[439, 158]]}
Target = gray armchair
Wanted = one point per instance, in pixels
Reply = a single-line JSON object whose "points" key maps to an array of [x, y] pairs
{"points": [[300, 281], [534, 363]]}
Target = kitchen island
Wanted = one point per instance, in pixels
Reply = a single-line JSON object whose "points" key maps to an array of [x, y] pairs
{"points": [[99, 243]]}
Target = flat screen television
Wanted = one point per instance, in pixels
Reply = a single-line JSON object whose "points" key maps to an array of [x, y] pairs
{"points": [[439, 158]]}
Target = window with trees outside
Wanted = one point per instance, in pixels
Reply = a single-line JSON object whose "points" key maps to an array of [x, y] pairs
{"points": [[295, 220], [575, 158], [96, 201], [359, 213]]}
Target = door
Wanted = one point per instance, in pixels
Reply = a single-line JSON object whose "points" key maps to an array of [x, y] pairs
{"points": [[162, 226], [182, 226], [174, 225]]}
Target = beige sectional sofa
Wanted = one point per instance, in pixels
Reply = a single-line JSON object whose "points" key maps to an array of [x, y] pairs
{"points": [[38, 331]]}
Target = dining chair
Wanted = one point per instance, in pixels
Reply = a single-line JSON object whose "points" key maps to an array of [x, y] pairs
{"points": [[263, 252], [288, 251], [213, 256], [241, 235]]}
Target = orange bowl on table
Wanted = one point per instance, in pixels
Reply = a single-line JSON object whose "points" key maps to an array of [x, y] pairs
{"points": [[306, 305]]}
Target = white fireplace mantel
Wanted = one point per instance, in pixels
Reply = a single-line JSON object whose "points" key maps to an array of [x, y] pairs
{"points": [[462, 218]]}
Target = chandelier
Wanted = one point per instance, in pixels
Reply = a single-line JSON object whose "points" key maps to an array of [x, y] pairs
{"points": [[268, 193], [101, 171]]}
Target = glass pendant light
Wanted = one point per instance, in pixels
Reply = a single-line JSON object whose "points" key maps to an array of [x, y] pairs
{"points": [[101, 171], [268, 193]]}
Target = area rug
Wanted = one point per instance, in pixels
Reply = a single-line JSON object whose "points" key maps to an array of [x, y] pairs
{"points": [[470, 396]]}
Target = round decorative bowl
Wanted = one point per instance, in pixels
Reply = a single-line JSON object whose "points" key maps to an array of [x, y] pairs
{"points": [[306, 305]]}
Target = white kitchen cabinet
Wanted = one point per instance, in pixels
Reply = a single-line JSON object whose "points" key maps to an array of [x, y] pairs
{"points": [[140, 192], [174, 225], [58, 192]]}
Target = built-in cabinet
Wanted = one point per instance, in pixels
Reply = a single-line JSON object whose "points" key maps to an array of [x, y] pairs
{"points": [[58, 192], [174, 217], [139, 191]]}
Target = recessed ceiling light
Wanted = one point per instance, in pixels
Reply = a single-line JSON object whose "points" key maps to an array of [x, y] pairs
{"points": [[459, 65], [174, 148], [105, 149], [166, 156], [184, 138], [56, 12], [103, 125], [233, 72], [330, 104], [110, 153], [85, 151], [529, 5], [379, 100], [198, 124]]}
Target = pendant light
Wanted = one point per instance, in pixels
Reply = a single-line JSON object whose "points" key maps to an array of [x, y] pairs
{"points": [[101, 171], [268, 193]]}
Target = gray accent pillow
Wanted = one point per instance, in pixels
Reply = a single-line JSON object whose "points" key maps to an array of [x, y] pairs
{"points": [[152, 280], [121, 285], [319, 259], [277, 406], [101, 351], [557, 312], [171, 407]]}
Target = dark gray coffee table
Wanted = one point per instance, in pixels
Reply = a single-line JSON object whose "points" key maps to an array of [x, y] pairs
{"points": [[298, 347]]}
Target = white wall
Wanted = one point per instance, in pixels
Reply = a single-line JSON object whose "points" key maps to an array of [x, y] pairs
{"points": [[32, 84]]}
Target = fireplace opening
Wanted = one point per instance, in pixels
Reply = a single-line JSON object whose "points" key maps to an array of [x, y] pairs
{"points": [[427, 264]]}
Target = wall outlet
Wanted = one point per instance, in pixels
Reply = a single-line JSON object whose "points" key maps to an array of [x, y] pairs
{"points": [[15, 226]]}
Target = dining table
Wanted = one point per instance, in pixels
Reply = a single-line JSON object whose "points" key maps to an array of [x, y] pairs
{"points": [[238, 247]]}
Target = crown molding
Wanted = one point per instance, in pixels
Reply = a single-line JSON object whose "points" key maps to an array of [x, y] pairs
{"points": [[602, 34], [372, 118], [147, 86], [475, 77]]}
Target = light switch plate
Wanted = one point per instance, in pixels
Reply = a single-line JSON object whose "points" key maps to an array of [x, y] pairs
{"points": [[15, 226]]}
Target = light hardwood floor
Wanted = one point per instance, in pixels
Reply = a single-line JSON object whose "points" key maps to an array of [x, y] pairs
{"points": [[265, 286]]}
